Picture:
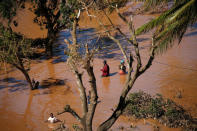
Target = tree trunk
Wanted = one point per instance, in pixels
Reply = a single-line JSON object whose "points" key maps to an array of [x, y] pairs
{"points": [[93, 97], [27, 77], [23, 70], [51, 36], [50, 48]]}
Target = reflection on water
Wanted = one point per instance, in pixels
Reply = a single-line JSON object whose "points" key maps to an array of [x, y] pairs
{"points": [[51, 69], [106, 83], [123, 79]]}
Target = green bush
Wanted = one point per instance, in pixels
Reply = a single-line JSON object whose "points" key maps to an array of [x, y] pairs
{"points": [[142, 105]]}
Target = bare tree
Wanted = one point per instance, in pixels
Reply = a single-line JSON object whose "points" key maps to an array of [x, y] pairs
{"points": [[76, 61]]}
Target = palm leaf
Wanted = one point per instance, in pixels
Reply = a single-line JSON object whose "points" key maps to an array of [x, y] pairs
{"points": [[157, 21], [172, 24]]}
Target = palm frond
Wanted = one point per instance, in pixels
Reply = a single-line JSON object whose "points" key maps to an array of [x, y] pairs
{"points": [[164, 40], [172, 24], [157, 21]]}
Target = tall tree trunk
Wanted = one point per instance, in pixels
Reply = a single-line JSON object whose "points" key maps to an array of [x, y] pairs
{"points": [[51, 36], [28, 78], [93, 97], [50, 48]]}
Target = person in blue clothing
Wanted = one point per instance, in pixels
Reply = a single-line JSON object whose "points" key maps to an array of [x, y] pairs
{"points": [[89, 96]]}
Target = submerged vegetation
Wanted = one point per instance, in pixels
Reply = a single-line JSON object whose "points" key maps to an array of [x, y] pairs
{"points": [[142, 105]]}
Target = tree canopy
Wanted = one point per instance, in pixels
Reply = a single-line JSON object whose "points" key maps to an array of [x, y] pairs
{"points": [[15, 50]]}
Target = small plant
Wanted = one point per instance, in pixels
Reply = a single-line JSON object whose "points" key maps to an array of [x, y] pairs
{"points": [[76, 127]]}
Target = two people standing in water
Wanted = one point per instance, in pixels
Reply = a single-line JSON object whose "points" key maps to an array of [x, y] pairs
{"points": [[106, 70]]}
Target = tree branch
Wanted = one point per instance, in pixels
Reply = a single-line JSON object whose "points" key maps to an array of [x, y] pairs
{"points": [[151, 58], [68, 109], [118, 29], [133, 36], [115, 40]]}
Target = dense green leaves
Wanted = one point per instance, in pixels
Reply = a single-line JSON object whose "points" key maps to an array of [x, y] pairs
{"points": [[68, 10], [13, 47], [8, 8], [56, 15]]}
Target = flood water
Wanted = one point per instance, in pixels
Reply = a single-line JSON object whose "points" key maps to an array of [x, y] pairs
{"points": [[24, 110]]}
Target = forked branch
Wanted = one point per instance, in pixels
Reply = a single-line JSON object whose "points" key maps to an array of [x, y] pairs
{"points": [[68, 109]]}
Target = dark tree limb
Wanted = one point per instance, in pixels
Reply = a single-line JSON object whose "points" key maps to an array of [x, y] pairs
{"points": [[114, 39], [118, 29], [133, 37], [68, 109], [21, 67]]}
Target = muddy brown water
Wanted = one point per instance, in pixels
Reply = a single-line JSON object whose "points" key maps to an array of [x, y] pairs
{"points": [[24, 110]]}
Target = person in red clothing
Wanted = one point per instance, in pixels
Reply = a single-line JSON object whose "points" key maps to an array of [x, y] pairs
{"points": [[105, 69]]}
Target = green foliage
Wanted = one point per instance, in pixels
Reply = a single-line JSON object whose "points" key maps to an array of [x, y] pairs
{"points": [[76, 127], [172, 24], [8, 8], [56, 15], [142, 105], [68, 10], [13, 47]]}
